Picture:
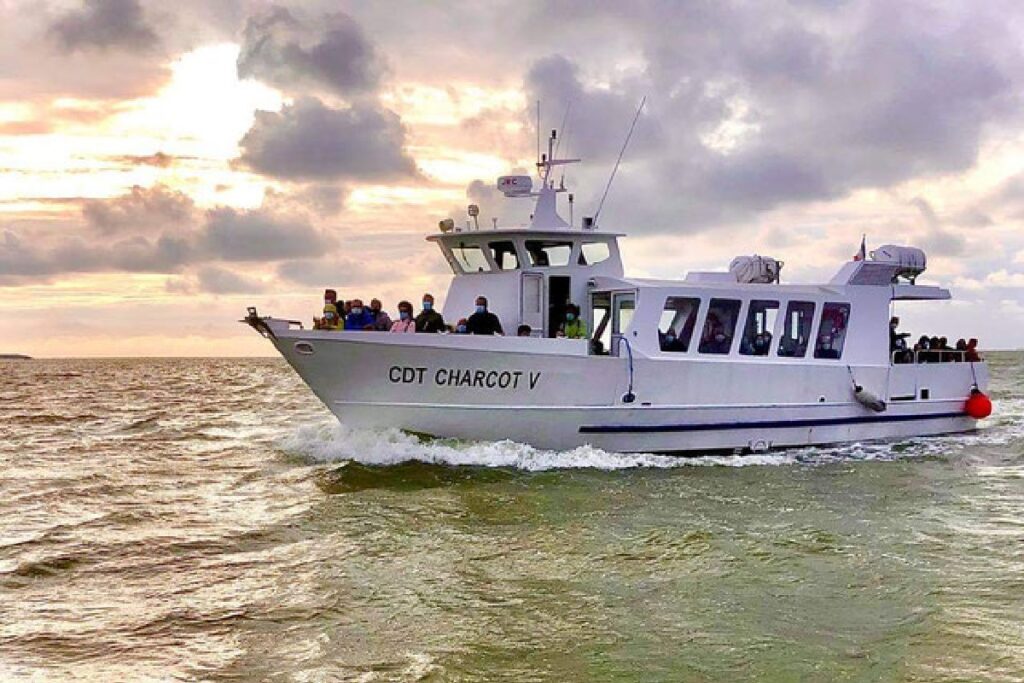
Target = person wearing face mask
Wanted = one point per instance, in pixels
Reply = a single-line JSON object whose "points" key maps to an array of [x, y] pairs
{"points": [[670, 341], [573, 327], [483, 321], [358, 318], [429, 320], [381, 320], [330, 321], [460, 327], [405, 322]]}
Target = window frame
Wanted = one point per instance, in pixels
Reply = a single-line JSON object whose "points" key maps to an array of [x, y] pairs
{"points": [[696, 316], [515, 252], [846, 329], [746, 324], [571, 243], [783, 331]]}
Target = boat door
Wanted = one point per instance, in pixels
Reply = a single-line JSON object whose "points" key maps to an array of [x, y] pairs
{"points": [[531, 302], [623, 307]]}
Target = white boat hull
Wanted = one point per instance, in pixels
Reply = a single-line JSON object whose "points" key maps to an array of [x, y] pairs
{"points": [[551, 394]]}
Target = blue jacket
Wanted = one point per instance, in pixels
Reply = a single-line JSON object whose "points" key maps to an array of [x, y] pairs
{"points": [[358, 322]]}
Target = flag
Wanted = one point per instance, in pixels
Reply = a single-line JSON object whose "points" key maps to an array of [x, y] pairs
{"points": [[862, 253]]}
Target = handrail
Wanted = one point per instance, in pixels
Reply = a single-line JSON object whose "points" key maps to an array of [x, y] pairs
{"points": [[933, 356]]}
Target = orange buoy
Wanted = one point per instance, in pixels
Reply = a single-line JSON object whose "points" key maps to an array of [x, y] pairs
{"points": [[978, 405]]}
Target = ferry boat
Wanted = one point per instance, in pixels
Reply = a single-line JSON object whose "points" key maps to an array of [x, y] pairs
{"points": [[732, 360]]}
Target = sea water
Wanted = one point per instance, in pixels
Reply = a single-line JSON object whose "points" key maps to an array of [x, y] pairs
{"points": [[207, 519]]}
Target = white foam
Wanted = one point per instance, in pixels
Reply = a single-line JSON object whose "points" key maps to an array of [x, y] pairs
{"points": [[329, 441]]}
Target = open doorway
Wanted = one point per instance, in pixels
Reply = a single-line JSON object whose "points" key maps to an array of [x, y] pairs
{"points": [[559, 291]]}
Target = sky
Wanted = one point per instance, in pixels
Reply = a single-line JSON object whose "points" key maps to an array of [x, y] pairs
{"points": [[165, 165]]}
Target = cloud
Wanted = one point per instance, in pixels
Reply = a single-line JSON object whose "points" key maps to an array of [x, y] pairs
{"points": [[331, 52], [309, 140], [155, 230], [258, 235], [105, 24], [938, 241], [217, 280], [157, 207]]}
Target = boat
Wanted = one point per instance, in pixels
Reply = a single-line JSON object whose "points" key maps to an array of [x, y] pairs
{"points": [[734, 360]]}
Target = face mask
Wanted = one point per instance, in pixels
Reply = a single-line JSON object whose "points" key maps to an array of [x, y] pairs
{"points": [[570, 316], [329, 316], [404, 315], [427, 305], [357, 310], [461, 329], [670, 338], [719, 337], [481, 309]]}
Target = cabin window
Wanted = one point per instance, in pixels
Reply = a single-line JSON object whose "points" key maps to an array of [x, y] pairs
{"points": [[677, 322], [504, 255], [545, 253], [719, 326], [600, 316], [757, 333], [835, 319], [797, 329], [592, 253], [470, 258]]}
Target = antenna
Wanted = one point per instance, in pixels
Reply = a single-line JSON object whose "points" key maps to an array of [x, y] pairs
{"points": [[619, 160], [538, 131]]}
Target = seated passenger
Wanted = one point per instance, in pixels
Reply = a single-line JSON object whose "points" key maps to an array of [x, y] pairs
{"points": [[405, 322], [429, 320], [460, 327], [825, 349], [761, 344], [524, 331], [671, 342], [358, 317], [483, 321], [330, 321], [972, 351], [573, 327], [716, 341], [381, 319], [961, 350]]}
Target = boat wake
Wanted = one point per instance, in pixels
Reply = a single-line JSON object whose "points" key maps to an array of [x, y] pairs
{"points": [[329, 441]]}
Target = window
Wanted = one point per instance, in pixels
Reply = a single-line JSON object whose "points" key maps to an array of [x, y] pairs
{"points": [[757, 334], [470, 258], [548, 253], [835, 318], [504, 255], [600, 314], [796, 331], [623, 308], [677, 322], [719, 326], [592, 253]]}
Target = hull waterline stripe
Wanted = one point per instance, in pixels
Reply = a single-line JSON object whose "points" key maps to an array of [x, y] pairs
{"points": [[774, 424]]}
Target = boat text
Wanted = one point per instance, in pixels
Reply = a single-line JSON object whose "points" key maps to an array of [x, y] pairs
{"points": [[464, 377]]}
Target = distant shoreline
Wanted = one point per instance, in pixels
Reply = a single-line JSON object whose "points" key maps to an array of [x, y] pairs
{"points": [[14, 356]]}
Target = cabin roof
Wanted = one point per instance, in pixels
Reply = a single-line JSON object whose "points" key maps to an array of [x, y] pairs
{"points": [[900, 292], [492, 233]]}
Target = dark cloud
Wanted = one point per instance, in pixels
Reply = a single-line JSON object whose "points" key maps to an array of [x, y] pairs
{"points": [[330, 52], [104, 24], [142, 209], [258, 235], [309, 140], [155, 230], [938, 240], [217, 280]]}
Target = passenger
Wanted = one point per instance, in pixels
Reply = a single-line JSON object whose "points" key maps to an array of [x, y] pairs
{"points": [[935, 350], [972, 351], [921, 349], [358, 317], [524, 331], [897, 340], [825, 349], [761, 344], [381, 319], [717, 341], [429, 320], [947, 355], [671, 342], [330, 321], [483, 321], [345, 308], [961, 350], [330, 297], [461, 327], [405, 322], [573, 327]]}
